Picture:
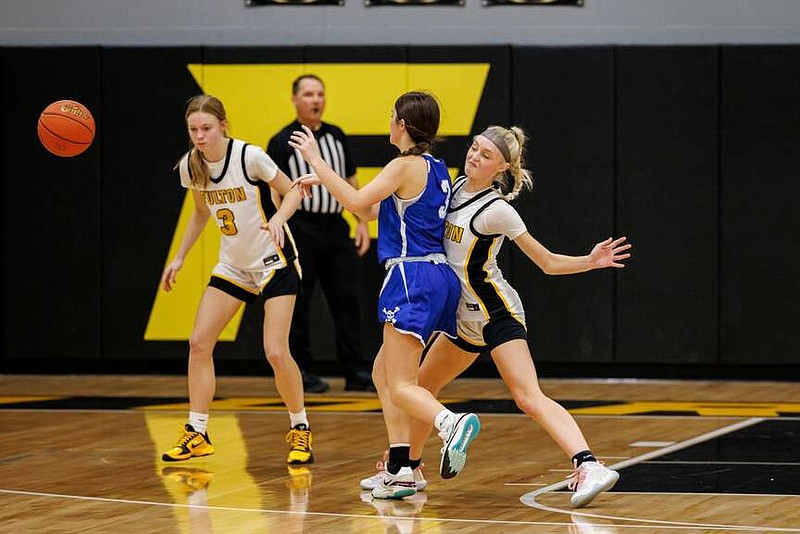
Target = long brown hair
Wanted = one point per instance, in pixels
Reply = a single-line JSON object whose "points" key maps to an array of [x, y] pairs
{"points": [[420, 112], [199, 172]]}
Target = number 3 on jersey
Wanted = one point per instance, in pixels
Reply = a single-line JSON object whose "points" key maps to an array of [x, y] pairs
{"points": [[445, 185], [226, 222]]}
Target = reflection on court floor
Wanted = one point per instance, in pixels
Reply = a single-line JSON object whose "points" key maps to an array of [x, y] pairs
{"points": [[91, 463]]}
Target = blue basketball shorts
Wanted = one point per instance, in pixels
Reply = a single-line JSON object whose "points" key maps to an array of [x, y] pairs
{"points": [[420, 298]]}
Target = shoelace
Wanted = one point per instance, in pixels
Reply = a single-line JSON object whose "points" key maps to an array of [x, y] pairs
{"points": [[187, 437], [443, 435], [579, 474], [381, 465], [299, 439]]}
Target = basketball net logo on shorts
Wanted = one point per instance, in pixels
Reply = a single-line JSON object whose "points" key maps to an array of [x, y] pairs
{"points": [[256, 96], [390, 314]]}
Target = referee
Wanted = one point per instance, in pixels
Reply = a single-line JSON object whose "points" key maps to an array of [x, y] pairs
{"points": [[323, 241]]}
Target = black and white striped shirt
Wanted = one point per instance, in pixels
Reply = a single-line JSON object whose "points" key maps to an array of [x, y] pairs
{"points": [[335, 151]]}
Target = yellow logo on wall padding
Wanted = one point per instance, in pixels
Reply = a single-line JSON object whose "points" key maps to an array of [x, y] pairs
{"points": [[257, 98]]}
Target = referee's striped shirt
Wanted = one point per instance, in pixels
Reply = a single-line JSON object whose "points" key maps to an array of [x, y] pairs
{"points": [[335, 151]]}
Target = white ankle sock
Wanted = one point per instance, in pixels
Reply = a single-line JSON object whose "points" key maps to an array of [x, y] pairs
{"points": [[299, 418], [199, 421]]}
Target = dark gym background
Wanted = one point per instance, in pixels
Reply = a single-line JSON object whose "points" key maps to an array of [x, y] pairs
{"points": [[687, 150]]}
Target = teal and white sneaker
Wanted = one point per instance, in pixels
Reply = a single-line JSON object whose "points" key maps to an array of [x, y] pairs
{"points": [[464, 428]]}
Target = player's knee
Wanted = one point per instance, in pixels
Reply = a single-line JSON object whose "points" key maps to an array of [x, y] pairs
{"points": [[200, 346], [532, 403], [277, 355]]}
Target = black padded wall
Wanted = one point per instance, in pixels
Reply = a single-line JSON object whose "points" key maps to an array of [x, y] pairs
{"points": [[144, 97], [494, 106], [689, 151], [52, 291], [563, 98], [666, 181], [759, 295]]}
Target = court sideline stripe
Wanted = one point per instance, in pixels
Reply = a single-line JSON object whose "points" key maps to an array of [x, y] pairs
{"points": [[330, 514], [529, 499]]}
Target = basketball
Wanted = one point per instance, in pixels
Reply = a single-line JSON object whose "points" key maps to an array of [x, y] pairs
{"points": [[66, 128]]}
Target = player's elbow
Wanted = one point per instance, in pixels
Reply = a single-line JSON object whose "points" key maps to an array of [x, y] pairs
{"points": [[357, 204], [549, 265]]}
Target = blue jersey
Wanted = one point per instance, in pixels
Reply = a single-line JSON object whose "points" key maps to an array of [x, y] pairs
{"points": [[420, 292], [415, 227]]}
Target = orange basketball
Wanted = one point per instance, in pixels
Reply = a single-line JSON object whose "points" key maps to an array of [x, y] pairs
{"points": [[66, 128]]}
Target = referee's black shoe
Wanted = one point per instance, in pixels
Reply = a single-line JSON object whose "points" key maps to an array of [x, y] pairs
{"points": [[360, 381], [314, 384]]}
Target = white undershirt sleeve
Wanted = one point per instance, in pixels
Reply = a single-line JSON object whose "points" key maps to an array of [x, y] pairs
{"points": [[259, 164], [500, 218]]}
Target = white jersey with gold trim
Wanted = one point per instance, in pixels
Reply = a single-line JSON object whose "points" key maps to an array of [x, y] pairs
{"points": [[238, 196], [485, 293]]}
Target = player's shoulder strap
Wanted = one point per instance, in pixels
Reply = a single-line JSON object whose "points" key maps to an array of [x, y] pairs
{"points": [[478, 212], [244, 163]]}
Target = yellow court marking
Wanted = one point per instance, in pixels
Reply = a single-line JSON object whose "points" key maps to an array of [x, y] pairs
{"points": [[221, 479], [372, 404], [708, 409]]}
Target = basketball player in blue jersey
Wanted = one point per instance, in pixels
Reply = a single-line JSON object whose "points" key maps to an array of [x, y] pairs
{"points": [[490, 313], [230, 180], [409, 197]]}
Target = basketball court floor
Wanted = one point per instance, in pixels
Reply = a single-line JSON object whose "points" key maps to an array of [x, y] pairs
{"points": [[82, 454]]}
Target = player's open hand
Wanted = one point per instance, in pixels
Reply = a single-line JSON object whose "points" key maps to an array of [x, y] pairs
{"points": [[610, 253], [303, 140]]}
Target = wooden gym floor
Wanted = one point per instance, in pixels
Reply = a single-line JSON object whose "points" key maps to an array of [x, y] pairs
{"points": [[82, 454]]}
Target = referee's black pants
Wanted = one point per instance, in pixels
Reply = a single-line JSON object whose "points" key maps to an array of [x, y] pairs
{"points": [[327, 254]]}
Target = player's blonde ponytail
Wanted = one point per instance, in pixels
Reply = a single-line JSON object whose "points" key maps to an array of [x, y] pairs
{"points": [[199, 172]]}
